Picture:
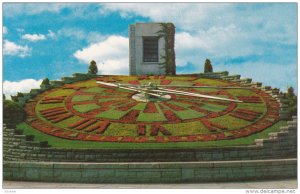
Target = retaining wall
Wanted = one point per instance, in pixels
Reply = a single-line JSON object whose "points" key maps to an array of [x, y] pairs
{"points": [[169, 172]]}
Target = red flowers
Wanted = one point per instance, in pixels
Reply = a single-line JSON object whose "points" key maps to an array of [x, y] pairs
{"points": [[250, 99], [50, 100], [131, 116], [165, 82], [212, 126], [171, 116], [156, 128], [150, 108], [134, 82], [141, 130], [244, 114], [143, 77], [173, 106], [127, 106]]}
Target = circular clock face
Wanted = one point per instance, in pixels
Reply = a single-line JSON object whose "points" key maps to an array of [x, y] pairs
{"points": [[93, 112]]}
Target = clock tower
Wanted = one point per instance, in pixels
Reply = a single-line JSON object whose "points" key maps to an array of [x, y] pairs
{"points": [[151, 49]]}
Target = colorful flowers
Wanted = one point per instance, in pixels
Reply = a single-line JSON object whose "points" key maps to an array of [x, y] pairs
{"points": [[131, 116], [150, 108], [134, 82], [165, 82]]}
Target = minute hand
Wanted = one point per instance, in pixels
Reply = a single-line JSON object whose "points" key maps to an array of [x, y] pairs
{"points": [[164, 90]]}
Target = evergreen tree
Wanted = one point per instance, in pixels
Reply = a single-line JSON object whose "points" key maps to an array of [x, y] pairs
{"points": [[93, 69], [208, 66], [45, 82]]}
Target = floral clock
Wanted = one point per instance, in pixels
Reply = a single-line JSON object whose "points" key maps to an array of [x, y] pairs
{"points": [[89, 111]]}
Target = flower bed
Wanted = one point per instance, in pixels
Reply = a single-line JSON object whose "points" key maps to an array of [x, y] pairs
{"points": [[50, 100], [92, 124], [165, 82], [80, 122], [102, 127], [51, 110], [171, 116], [86, 124], [141, 130], [63, 117], [54, 113], [156, 128], [131, 116], [173, 106], [245, 114], [143, 77], [150, 108], [92, 128], [134, 82], [250, 99], [126, 107], [212, 126], [73, 87]]}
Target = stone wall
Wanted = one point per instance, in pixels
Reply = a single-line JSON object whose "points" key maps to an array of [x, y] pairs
{"points": [[168, 172], [282, 144]]}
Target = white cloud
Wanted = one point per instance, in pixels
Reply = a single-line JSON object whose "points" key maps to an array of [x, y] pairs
{"points": [[20, 30], [4, 30], [111, 55], [72, 32], [220, 30], [34, 37], [51, 34], [24, 86], [187, 16], [13, 9], [11, 48]]}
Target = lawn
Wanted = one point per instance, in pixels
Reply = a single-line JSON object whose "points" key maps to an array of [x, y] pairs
{"points": [[85, 107]]}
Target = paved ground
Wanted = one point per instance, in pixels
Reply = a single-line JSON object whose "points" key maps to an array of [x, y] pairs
{"points": [[278, 184]]}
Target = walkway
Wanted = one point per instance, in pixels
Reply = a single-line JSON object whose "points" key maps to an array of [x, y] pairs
{"points": [[278, 184]]}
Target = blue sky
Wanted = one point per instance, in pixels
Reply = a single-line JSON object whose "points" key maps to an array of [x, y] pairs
{"points": [[256, 40]]}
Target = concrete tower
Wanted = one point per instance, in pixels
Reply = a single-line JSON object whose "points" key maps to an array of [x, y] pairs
{"points": [[151, 49]]}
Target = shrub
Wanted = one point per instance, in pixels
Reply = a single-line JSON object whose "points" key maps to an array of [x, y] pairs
{"points": [[13, 113]]}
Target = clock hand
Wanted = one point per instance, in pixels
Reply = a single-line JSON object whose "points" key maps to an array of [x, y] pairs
{"points": [[128, 88], [219, 87], [164, 90]]}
